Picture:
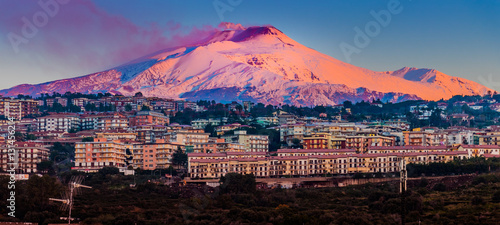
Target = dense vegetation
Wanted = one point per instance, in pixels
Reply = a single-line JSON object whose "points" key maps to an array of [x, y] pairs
{"points": [[456, 167]]}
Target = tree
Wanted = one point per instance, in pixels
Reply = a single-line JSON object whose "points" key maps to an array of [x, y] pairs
{"points": [[109, 170], [128, 107], [129, 157], [320, 109], [237, 183], [477, 200], [19, 136], [347, 104], [179, 158], [210, 129], [239, 108], [435, 118], [170, 170], [184, 117], [56, 107], [20, 96], [101, 107], [46, 167], [145, 108], [496, 197], [30, 137], [87, 139], [432, 105], [296, 143], [73, 130], [90, 107], [34, 197], [74, 108], [60, 152]]}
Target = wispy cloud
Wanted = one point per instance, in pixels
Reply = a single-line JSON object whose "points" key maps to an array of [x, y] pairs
{"points": [[82, 35]]}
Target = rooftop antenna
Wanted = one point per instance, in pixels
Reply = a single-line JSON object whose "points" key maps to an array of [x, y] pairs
{"points": [[402, 187], [74, 185]]}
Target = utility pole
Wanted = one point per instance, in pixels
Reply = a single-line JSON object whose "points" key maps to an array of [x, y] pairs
{"points": [[402, 188]]}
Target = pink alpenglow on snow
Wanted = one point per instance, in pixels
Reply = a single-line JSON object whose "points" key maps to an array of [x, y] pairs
{"points": [[260, 64]]}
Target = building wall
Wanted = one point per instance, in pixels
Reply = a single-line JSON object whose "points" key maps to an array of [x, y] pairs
{"points": [[311, 164], [29, 154], [18, 109], [92, 156]]}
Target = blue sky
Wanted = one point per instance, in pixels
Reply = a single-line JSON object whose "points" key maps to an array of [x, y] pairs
{"points": [[459, 38]]}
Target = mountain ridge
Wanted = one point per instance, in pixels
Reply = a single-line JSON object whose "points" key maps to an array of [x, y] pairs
{"points": [[259, 64]]}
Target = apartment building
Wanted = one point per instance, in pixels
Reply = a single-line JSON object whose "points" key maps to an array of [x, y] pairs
{"points": [[361, 143], [288, 132], [424, 138], [252, 142], [80, 102], [323, 141], [148, 118], [308, 152], [29, 154], [188, 138], [481, 150], [217, 165], [123, 135], [18, 108], [487, 139], [24, 125], [248, 105], [121, 104], [58, 122], [268, 120], [49, 102], [62, 101], [221, 130], [337, 129], [202, 123], [181, 105], [459, 136], [89, 122], [285, 118], [410, 149], [164, 105], [112, 122], [149, 133], [151, 156], [92, 156], [215, 145]]}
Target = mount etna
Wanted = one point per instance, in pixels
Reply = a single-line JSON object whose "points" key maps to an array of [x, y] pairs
{"points": [[259, 64]]}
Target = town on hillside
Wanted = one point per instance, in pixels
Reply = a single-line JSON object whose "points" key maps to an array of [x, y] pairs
{"points": [[205, 140]]}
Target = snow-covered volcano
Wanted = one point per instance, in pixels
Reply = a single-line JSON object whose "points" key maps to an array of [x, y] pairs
{"points": [[260, 64]]}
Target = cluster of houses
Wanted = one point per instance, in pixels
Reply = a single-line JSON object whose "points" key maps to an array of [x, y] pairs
{"points": [[323, 147], [341, 148], [322, 162], [131, 138]]}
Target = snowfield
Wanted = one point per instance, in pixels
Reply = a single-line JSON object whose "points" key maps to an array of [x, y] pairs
{"points": [[260, 64]]}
